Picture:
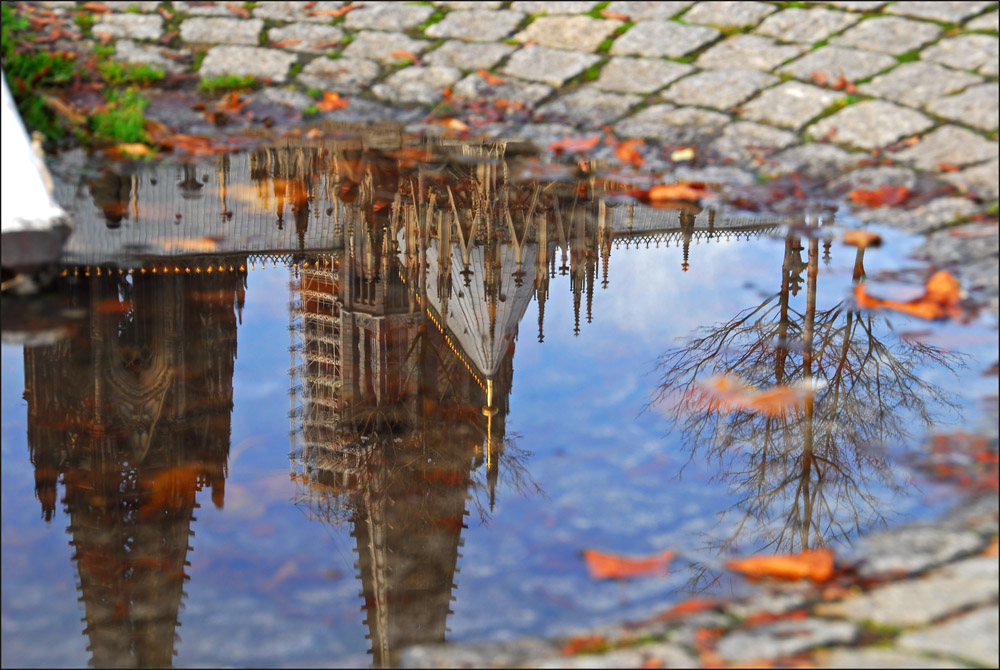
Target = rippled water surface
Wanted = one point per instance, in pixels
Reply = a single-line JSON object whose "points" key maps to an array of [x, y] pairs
{"points": [[311, 404]]}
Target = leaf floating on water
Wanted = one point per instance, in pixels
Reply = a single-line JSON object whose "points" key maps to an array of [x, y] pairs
{"points": [[584, 644], [730, 393], [939, 301], [490, 78], [883, 196], [628, 152], [692, 191], [816, 565], [862, 239], [331, 101], [575, 144], [613, 566]]}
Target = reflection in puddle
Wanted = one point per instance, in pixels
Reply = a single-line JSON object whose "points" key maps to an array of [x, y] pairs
{"points": [[410, 270]]}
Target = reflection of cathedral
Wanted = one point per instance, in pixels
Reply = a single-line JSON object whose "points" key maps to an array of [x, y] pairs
{"points": [[133, 412]]}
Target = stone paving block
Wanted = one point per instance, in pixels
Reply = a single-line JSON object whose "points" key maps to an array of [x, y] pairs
{"points": [[976, 106], [878, 657], [477, 25], [924, 219], [417, 84], [729, 14], [908, 549], [980, 180], [388, 16], [971, 636], [939, 10], [890, 34], [313, 37], [549, 66], [641, 11], [871, 124], [133, 26], [950, 145], [127, 51], [874, 176], [917, 83], [258, 62], [805, 25], [966, 52], [215, 30], [474, 87], [989, 21], [469, 55], [721, 89], [343, 75], [783, 638], [469, 4], [639, 75], [672, 125], [481, 655], [202, 9], [568, 7], [581, 33], [748, 52], [283, 96], [834, 61], [294, 11], [812, 160], [589, 107], [379, 46], [790, 105], [744, 140], [858, 5], [662, 38]]}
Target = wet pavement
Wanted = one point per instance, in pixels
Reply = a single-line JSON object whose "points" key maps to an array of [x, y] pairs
{"points": [[787, 111]]}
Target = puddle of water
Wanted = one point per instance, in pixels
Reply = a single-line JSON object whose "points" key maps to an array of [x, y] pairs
{"points": [[273, 399]]}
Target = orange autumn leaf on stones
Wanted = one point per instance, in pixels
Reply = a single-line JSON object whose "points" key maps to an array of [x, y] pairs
{"points": [[939, 301], [238, 11], [231, 103], [608, 14], [405, 55], [883, 196], [613, 566], [584, 644], [331, 101], [285, 43], [862, 239], [575, 144], [490, 78], [96, 7], [816, 565], [628, 152]]}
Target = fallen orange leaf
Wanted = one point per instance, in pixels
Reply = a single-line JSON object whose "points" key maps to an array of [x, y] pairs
{"points": [[608, 14], [689, 607], [285, 43], [330, 102], [490, 78], [730, 393], [231, 103], [819, 78], [135, 150], [584, 644], [452, 123], [682, 191], [862, 239], [335, 12], [816, 565], [238, 11], [404, 55], [947, 167], [611, 566], [883, 196], [575, 144], [628, 153], [994, 547], [98, 7], [940, 299]]}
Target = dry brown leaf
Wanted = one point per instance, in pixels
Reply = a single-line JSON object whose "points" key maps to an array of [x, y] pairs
{"points": [[819, 78], [816, 565], [947, 167], [862, 239], [584, 644], [285, 43], [575, 144], [612, 566], [452, 123], [490, 78], [939, 301], [608, 14], [628, 152], [133, 150], [692, 191], [231, 103], [65, 110], [97, 7], [883, 196], [331, 101], [994, 547], [238, 11], [336, 12], [402, 54], [729, 393]]}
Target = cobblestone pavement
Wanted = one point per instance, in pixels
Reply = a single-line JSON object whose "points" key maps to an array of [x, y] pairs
{"points": [[849, 94]]}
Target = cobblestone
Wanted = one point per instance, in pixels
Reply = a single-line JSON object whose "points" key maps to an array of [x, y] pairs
{"points": [[834, 61], [313, 37], [132, 26], [418, 84], [980, 180], [214, 30], [549, 66], [672, 125], [388, 16], [923, 219], [379, 46], [469, 55], [589, 107], [286, 11], [812, 159], [639, 75], [805, 25], [916, 84], [949, 145], [567, 7], [475, 87], [657, 38], [203, 9], [966, 52], [720, 89], [750, 51], [729, 14], [256, 62], [858, 5], [879, 657], [127, 51], [745, 140], [871, 124], [789, 105], [976, 106], [952, 12], [911, 549], [343, 75], [641, 11], [784, 638], [891, 34], [477, 25], [990, 21], [581, 33], [971, 637]]}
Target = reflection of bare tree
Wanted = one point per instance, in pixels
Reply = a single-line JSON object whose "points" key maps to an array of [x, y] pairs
{"points": [[814, 473]]}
